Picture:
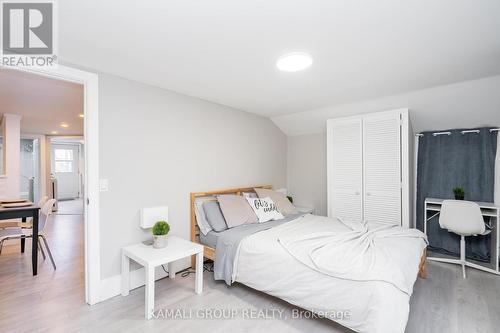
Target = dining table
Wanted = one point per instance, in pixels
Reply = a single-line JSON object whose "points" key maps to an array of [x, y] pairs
{"points": [[7, 213]]}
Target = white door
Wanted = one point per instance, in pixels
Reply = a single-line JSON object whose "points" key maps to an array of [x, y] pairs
{"points": [[65, 167], [382, 167], [345, 172]]}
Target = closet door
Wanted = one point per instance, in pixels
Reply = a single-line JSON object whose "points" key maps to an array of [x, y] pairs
{"points": [[382, 167], [345, 162]]}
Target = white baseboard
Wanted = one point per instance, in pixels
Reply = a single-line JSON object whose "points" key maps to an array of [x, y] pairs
{"points": [[112, 286]]}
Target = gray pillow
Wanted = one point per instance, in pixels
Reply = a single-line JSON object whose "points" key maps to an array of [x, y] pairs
{"points": [[214, 216]]}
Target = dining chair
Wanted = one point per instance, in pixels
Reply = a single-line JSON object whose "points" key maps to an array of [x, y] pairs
{"points": [[18, 232], [29, 222], [463, 218]]}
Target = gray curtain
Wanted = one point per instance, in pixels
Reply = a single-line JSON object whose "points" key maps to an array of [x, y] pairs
{"points": [[448, 161]]}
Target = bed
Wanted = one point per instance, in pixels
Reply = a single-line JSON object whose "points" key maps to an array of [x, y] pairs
{"points": [[275, 258]]}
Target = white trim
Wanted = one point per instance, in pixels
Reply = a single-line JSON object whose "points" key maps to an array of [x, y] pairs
{"points": [[90, 82], [406, 177]]}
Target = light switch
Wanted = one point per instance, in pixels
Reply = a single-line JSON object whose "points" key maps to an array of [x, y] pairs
{"points": [[103, 185]]}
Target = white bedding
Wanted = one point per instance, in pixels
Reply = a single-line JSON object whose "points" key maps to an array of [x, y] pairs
{"points": [[372, 306]]}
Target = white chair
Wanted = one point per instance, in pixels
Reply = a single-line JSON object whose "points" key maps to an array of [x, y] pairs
{"points": [[463, 218], [17, 233]]}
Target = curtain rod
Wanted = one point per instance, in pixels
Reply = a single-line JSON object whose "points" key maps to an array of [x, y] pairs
{"points": [[463, 132]]}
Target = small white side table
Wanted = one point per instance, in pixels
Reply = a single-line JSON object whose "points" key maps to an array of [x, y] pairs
{"points": [[305, 210], [151, 258]]}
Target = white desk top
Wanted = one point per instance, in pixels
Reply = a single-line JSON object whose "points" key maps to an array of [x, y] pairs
{"points": [[176, 249], [485, 205]]}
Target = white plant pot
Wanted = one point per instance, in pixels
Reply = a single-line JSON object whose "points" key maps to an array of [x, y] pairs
{"points": [[159, 242]]}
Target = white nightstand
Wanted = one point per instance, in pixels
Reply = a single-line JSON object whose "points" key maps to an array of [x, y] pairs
{"points": [[305, 210], [151, 258]]}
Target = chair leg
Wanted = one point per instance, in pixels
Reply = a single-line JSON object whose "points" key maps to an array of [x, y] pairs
{"points": [[1, 246], [40, 247], [462, 254], [48, 250]]}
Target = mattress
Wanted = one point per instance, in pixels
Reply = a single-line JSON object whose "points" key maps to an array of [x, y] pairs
{"points": [[210, 239]]}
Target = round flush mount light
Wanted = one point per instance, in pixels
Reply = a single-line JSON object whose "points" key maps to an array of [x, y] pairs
{"points": [[64, 125], [295, 61]]}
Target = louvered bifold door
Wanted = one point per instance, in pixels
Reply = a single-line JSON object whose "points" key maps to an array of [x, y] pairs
{"points": [[382, 168], [345, 169]]}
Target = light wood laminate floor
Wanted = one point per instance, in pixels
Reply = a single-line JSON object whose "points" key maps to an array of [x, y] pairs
{"points": [[54, 301]]}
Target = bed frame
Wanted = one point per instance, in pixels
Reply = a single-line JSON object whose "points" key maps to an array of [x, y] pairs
{"points": [[209, 252]]}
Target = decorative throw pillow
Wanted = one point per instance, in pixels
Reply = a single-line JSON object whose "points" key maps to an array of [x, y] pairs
{"points": [[214, 216], [284, 205], [236, 210], [265, 209]]}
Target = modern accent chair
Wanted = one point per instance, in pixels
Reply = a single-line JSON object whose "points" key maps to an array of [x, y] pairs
{"points": [[463, 218]]}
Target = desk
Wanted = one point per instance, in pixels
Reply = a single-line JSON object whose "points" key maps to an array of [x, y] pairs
{"points": [[150, 258], [488, 209], [23, 213]]}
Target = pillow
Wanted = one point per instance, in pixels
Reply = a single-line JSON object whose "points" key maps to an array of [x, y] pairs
{"points": [[236, 210], [214, 216], [201, 218], [284, 205], [265, 209]]}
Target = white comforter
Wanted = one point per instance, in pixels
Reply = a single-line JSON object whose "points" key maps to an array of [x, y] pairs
{"points": [[373, 300]]}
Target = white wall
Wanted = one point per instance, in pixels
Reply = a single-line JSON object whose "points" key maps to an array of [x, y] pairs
{"points": [[157, 146], [9, 183], [306, 171], [462, 105]]}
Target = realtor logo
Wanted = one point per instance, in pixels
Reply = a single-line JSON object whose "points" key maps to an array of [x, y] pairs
{"points": [[28, 33]]}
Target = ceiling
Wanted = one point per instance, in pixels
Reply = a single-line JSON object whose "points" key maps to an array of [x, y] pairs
{"points": [[43, 103], [225, 51]]}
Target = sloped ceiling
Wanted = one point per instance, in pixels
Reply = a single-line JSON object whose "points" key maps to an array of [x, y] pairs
{"points": [[462, 105]]}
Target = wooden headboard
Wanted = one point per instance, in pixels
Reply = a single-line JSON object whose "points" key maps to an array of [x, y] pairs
{"points": [[208, 251]]}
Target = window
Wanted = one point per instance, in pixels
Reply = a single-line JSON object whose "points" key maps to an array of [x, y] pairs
{"points": [[63, 160]]}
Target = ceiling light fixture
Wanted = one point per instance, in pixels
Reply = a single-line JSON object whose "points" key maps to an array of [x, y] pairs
{"points": [[293, 62], [64, 125], [81, 115], [53, 132]]}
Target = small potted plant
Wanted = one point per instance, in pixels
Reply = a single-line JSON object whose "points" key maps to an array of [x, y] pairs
{"points": [[459, 193], [160, 231]]}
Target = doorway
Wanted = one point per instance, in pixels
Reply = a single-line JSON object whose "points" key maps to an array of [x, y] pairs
{"points": [[67, 174], [90, 193]]}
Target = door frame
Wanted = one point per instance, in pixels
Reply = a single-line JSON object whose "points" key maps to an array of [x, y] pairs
{"points": [[90, 82], [41, 159]]}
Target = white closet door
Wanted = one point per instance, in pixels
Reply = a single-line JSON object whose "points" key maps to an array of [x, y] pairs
{"points": [[382, 168], [345, 172]]}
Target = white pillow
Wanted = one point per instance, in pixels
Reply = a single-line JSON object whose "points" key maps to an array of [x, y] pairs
{"points": [[201, 218], [265, 209]]}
